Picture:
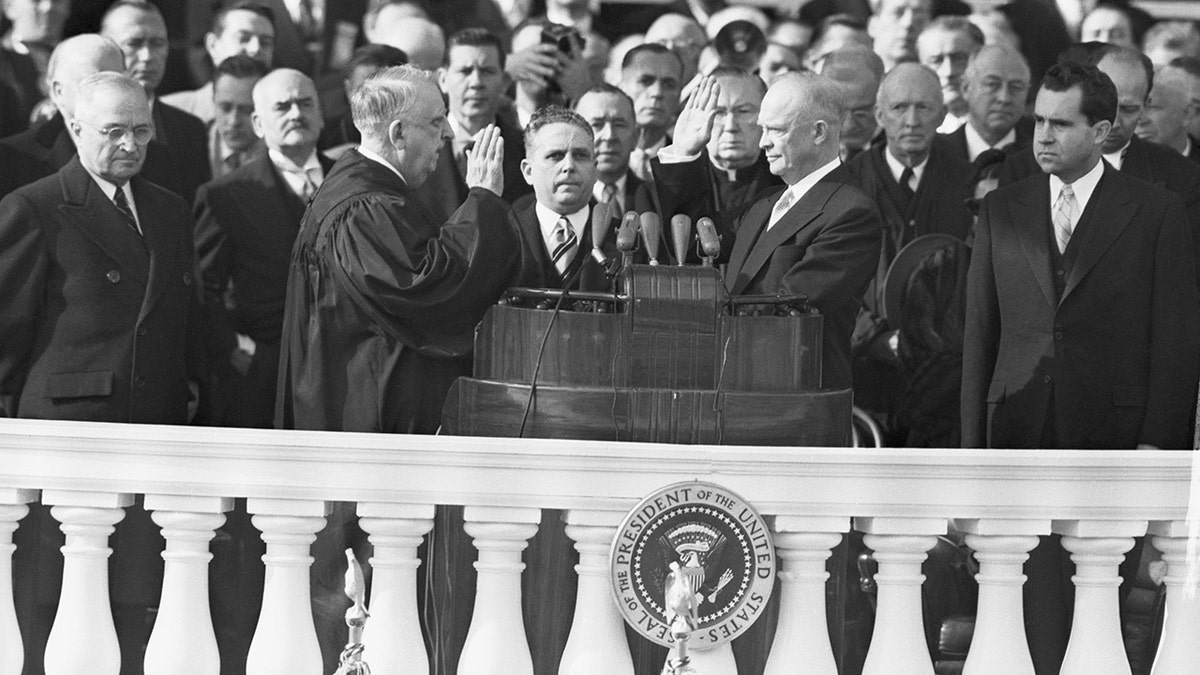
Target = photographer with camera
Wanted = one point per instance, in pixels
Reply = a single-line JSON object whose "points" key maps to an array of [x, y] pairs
{"points": [[547, 64]]}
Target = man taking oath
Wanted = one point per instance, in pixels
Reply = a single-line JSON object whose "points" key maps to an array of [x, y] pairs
{"points": [[382, 299]]}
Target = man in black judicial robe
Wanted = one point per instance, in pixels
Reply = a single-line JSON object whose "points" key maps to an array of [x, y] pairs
{"points": [[383, 300]]}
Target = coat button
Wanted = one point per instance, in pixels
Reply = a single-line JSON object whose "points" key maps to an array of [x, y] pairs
{"points": [[1058, 335], [1047, 379], [139, 382], [187, 278], [113, 276], [141, 330]]}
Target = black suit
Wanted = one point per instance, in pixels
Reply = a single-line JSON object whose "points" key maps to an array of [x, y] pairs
{"points": [[187, 139], [246, 223], [47, 147], [826, 247], [537, 270], [1194, 154], [955, 142], [1108, 361], [18, 91], [1148, 161]]}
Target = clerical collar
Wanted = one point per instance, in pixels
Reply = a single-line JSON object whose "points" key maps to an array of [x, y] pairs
{"points": [[897, 167], [378, 158], [977, 145]]}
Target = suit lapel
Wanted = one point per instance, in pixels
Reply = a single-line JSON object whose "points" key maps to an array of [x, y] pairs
{"points": [[797, 218], [161, 242], [1031, 220], [267, 209], [535, 246], [87, 207], [750, 227], [1098, 233]]}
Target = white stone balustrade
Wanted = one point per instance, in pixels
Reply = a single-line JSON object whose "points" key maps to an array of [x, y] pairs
{"points": [[183, 640], [900, 499]]}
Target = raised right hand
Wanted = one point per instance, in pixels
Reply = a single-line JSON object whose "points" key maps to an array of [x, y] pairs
{"points": [[485, 161], [695, 123]]}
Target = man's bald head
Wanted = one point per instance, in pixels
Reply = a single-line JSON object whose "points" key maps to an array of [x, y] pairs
{"points": [[422, 39], [910, 109], [76, 58], [996, 85], [801, 122], [287, 114]]}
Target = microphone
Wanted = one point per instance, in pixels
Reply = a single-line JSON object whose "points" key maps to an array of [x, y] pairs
{"points": [[651, 234], [627, 232], [681, 235], [710, 243], [600, 223]]}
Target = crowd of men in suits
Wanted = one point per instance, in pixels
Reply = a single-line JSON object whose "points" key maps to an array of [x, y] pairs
{"points": [[308, 236]]}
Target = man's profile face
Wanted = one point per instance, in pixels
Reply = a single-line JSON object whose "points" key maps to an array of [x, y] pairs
{"points": [[736, 134], [473, 81], [286, 112], [895, 28], [1132, 86], [104, 132], [786, 139], [946, 53], [424, 131], [142, 37], [996, 90], [1167, 111], [653, 82], [1063, 141], [612, 121], [244, 32], [233, 98], [561, 166]]}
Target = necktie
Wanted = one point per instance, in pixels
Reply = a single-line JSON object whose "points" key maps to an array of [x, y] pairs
{"points": [[127, 211], [306, 22], [460, 155], [312, 181], [565, 244], [781, 207], [609, 195], [1064, 217], [906, 188]]}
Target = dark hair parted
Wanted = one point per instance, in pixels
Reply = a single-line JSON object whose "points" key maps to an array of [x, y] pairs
{"points": [[475, 37], [730, 72], [552, 114], [649, 48], [611, 90], [1098, 100], [241, 67], [218, 25]]}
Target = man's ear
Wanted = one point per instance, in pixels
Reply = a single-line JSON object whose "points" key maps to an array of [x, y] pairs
{"points": [[1101, 130], [210, 42], [441, 77], [256, 122], [527, 171], [395, 134], [820, 132]]}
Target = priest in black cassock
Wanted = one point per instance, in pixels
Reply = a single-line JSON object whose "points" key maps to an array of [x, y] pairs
{"points": [[382, 299]]}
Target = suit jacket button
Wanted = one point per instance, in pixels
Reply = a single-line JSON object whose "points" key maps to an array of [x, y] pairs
{"points": [[113, 276], [141, 330], [1058, 335], [1047, 379], [139, 382], [187, 278]]}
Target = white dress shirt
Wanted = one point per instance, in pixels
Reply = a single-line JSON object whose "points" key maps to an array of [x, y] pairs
{"points": [[110, 191], [1117, 158], [1083, 188], [294, 175], [797, 191], [619, 196], [548, 220], [976, 145], [951, 123], [898, 169]]}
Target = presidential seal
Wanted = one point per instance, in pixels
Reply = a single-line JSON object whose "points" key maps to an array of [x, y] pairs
{"points": [[692, 555]]}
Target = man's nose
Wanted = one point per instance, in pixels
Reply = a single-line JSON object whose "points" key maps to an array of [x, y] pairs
{"points": [[447, 132]]}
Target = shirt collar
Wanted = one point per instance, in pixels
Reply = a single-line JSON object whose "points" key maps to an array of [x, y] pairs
{"points": [[110, 192], [805, 184], [897, 167], [598, 188], [376, 157], [281, 161], [461, 135], [1117, 159], [547, 219], [951, 123], [1083, 187], [976, 145]]}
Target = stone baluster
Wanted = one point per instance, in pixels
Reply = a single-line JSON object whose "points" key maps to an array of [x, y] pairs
{"points": [[900, 545], [596, 645], [392, 638], [1179, 648], [802, 636], [183, 639], [1097, 549], [285, 639], [496, 642], [84, 638], [12, 509], [1001, 547]]}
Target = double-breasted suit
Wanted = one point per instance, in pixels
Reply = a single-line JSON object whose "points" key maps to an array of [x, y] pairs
{"points": [[1098, 347], [825, 246], [246, 224]]}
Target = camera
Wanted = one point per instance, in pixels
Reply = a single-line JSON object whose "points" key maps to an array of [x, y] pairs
{"points": [[562, 37]]}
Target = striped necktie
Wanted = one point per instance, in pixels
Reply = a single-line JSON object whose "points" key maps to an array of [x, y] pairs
{"points": [[126, 210], [1064, 217], [565, 244]]}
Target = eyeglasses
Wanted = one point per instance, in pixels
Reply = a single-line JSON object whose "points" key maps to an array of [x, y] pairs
{"points": [[141, 135]]}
